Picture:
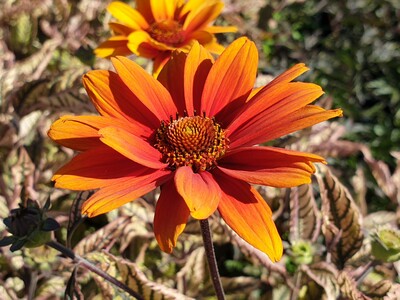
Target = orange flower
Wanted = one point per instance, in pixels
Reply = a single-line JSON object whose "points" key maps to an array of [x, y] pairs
{"points": [[157, 27], [192, 132]]}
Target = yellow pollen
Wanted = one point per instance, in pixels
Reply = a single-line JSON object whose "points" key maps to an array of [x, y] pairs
{"points": [[196, 141], [168, 32]]}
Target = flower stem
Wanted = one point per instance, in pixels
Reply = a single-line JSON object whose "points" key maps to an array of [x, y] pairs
{"points": [[88, 265], [212, 262]]}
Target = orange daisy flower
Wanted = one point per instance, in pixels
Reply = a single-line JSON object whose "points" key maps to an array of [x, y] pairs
{"points": [[155, 28], [193, 133]]}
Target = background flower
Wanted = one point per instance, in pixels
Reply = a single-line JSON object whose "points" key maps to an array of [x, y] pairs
{"points": [[192, 133], [155, 28]]}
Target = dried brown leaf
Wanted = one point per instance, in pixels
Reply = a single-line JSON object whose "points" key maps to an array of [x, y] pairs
{"points": [[324, 275], [342, 218], [129, 273], [348, 287], [304, 217]]}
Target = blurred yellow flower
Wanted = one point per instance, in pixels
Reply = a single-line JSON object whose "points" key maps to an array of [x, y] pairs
{"points": [[157, 27]]}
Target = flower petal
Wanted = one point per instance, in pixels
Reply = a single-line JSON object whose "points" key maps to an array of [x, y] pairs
{"points": [[168, 226], [247, 213], [158, 64], [199, 18], [221, 29], [199, 190], [120, 29], [97, 168], [144, 8], [270, 166], [113, 98], [81, 132], [270, 108], [132, 147], [115, 45], [208, 41], [163, 10], [127, 15], [147, 89], [231, 78], [123, 191], [141, 44], [302, 118]]}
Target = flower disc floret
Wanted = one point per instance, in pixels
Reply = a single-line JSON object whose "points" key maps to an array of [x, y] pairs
{"points": [[195, 141], [168, 32]]}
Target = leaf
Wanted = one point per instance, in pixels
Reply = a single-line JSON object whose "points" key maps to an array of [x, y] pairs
{"points": [[194, 274], [128, 273], [342, 218], [304, 218], [103, 237], [73, 290], [348, 287], [379, 289], [324, 275]]}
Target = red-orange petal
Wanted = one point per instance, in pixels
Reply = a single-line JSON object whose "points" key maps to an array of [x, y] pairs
{"points": [[270, 166], [144, 8], [123, 191], [198, 64], [269, 108], [147, 89], [120, 29], [78, 133], [231, 78], [97, 168], [168, 226], [115, 45], [199, 190], [159, 62], [247, 213], [113, 98], [131, 146]]}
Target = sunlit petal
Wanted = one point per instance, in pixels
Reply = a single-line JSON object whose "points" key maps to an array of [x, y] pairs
{"points": [[127, 15], [199, 190], [247, 213], [168, 226]]}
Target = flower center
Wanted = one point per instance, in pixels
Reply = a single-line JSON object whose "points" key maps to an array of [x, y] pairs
{"points": [[196, 141], [168, 32]]}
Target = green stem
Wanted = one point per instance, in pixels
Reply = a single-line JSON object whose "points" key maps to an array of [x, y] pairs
{"points": [[212, 262], [88, 265]]}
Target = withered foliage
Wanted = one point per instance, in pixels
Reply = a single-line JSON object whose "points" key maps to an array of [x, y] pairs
{"points": [[339, 244]]}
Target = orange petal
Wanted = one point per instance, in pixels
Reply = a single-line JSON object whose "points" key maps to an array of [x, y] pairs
{"points": [[168, 226], [270, 166], [190, 5], [198, 64], [172, 76], [231, 78], [116, 45], [199, 190], [147, 89], [300, 119], [97, 168], [112, 97], [163, 10], [199, 18], [120, 29], [123, 191], [127, 15], [266, 109], [159, 62], [247, 213], [81, 132], [132, 147]]}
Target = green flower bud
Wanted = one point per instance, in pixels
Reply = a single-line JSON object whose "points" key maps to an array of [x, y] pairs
{"points": [[385, 244]]}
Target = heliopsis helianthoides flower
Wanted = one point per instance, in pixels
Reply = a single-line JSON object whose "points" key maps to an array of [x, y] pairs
{"points": [[193, 132], [157, 27]]}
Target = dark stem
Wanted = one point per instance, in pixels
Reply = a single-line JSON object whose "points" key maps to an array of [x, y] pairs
{"points": [[88, 265], [212, 262]]}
